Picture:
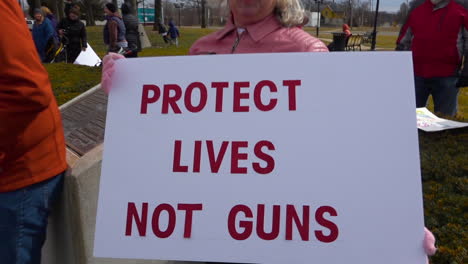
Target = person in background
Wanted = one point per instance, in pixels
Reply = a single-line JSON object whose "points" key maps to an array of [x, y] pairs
{"points": [[347, 33], [131, 31], [75, 31], [32, 144], [436, 33], [114, 30], [43, 33], [163, 32], [346, 30], [174, 34], [48, 14]]}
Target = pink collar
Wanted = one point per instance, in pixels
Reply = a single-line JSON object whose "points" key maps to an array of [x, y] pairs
{"points": [[257, 31]]}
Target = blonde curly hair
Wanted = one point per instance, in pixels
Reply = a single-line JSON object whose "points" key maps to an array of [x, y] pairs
{"points": [[46, 11], [289, 12]]}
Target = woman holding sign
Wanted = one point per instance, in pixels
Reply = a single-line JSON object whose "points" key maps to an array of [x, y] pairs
{"points": [[256, 26], [259, 26]]}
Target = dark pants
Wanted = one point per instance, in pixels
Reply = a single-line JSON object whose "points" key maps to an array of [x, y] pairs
{"points": [[23, 220], [73, 51], [443, 91], [131, 54]]}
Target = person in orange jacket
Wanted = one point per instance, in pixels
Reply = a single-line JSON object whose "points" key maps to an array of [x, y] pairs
{"points": [[32, 145]]}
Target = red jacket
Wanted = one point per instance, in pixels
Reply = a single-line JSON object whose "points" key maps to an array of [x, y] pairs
{"points": [[32, 145], [435, 35]]}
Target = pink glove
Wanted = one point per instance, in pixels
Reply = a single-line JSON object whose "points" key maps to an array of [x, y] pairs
{"points": [[108, 70], [429, 243]]}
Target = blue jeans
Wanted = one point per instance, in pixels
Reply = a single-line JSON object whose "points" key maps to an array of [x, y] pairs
{"points": [[443, 90], [23, 220]]}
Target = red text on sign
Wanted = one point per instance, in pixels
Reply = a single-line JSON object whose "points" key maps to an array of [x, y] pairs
{"points": [[174, 99], [140, 219], [242, 223], [216, 156]]}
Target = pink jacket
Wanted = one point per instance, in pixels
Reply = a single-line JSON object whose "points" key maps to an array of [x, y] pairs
{"points": [[266, 36]]}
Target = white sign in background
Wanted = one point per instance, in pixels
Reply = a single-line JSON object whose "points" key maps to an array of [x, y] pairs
{"points": [[88, 58], [351, 145], [429, 122]]}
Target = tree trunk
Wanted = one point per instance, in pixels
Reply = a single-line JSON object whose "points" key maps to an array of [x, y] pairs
{"points": [[33, 4], [60, 12], [157, 14], [203, 13], [90, 21], [133, 4], [54, 6]]}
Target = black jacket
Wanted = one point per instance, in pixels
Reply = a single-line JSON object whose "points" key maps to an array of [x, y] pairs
{"points": [[131, 34], [75, 31]]}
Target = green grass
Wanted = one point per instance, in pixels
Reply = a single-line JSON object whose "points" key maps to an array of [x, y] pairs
{"points": [[159, 48], [357, 29], [69, 81], [444, 164], [444, 155], [383, 42]]}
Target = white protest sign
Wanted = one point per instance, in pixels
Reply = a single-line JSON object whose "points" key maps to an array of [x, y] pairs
{"points": [[429, 122], [271, 158], [88, 58]]}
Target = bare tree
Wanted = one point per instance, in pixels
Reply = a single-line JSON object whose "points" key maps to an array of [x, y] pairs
{"points": [[402, 13], [89, 9], [133, 4], [60, 10], [32, 5], [351, 7], [157, 14], [203, 13]]}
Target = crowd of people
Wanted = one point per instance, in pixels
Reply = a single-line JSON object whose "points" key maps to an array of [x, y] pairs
{"points": [[120, 34], [48, 34]]}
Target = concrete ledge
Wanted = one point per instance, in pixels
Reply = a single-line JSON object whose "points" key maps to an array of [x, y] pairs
{"points": [[79, 97], [72, 225]]}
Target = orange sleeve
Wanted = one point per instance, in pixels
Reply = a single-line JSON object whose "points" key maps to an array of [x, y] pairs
{"points": [[24, 82]]}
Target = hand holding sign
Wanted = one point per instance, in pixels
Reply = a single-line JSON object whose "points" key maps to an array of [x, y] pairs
{"points": [[108, 70], [429, 242]]}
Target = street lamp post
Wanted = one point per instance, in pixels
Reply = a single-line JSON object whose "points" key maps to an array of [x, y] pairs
{"points": [[318, 15], [374, 33]]}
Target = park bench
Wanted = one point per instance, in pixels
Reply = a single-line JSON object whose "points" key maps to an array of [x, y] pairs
{"points": [[354, 42]]}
